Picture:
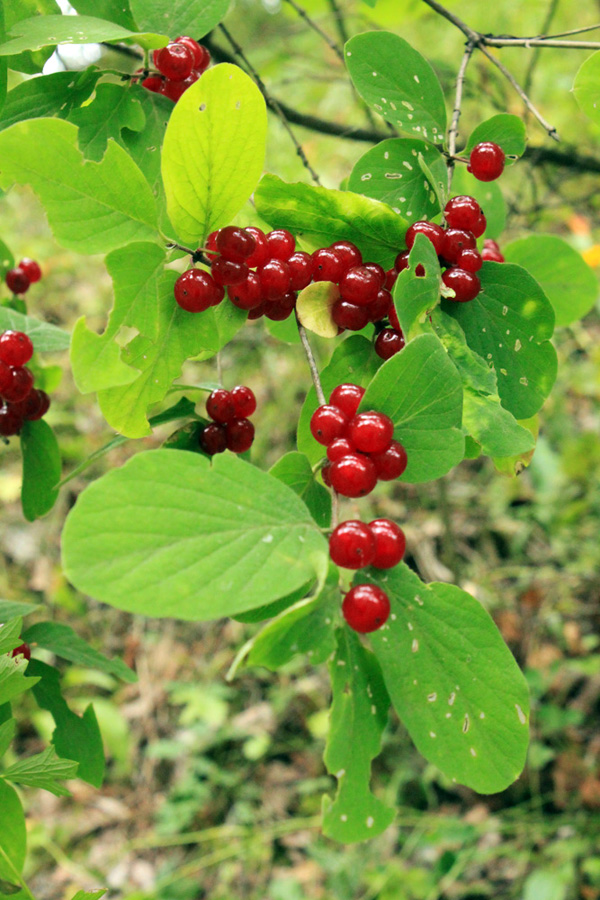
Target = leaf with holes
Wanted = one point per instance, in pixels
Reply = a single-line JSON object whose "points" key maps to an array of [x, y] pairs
{"points": [[113, 108], [453, 681], [196, 17], [505, 130], [314, 306], [394, 79], [509, 325], [390, 172], [44, 31], [416, 295], [359, 716], [41, 469], [587, 87], [213, 151], [294, 469], [320, 216]]}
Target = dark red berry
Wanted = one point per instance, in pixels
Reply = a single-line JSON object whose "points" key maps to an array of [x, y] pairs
{"points": [[275, 279], [5, 377], [220, 406], [339, 448], [393, 317], [463, 212], [353, 475], [280, 309], [300, 266], [10, 421], [390, 543], [34, 406], [455, 241], [211, 244], [239, 434], [391, 463], [388, 343], [328, 423], [196, 290], [326, 474], [235, 244], [327, 265], [349, 315], [154, 83], [175, 89], [486, 162], [347, 397], [466, 285], [248, 294], [401, 262], [480, 226], [391, 276], [348, 252], [380, 306], [260, 254], [31, 269], [366, 608], [175, 61], [371, 432], [198, 52], [470, 259], [213, 440], [281, 244], [491, 251], [257, 312], [360, 286], [352, 545], [226, 272], [377, 271], [20, 385], [435, 233], [16, 348], [244, 401], [17, 280], [23, 650]]}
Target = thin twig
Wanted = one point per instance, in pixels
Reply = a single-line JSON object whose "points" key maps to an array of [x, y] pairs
{"points": [[474, 36], [453, 131], [317, 28], [573, 31], [314, 371], [538, 42]]}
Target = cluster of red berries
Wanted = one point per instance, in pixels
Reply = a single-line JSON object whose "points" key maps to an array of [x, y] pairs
{"points": [[21, 401], [230, 429], [360, 446], [179, 65], [26, 273]]}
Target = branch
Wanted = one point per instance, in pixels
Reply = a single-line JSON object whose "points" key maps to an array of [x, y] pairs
{"points": [[453, 131], [312, 24]]}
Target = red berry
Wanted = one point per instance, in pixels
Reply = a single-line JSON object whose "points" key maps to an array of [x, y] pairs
{"points": [[377, 271], [226, 272], [435, 233], [280, 309], [339, 448], [220, 406], [326, 474], [391, 276], [31, 269], [211, 244], [275, 279], [455, 241], [371, 432], [34, 406], [347, 397], [248, 294], [175, 89], [352, 545], [5, 377], [257, 312], [260, 254], [463, 212], [348, 252], [349, 315], [10, 421], [23, 650], [391, 463], [328, 423], [480, 226], [466, 285], [239, 434], [16, 348], [380, 306], [196, 290], [470, 259], [300, 266], [353, 475], [388, 343], [486, 162], [154, 83], [198, 52], [17, 280], [175, 61], [213, 440], [235, 244], [491, 251], [327, 266], [20, 385], [401, 262], [393, 317], [366, 608], [360, 286], [244, 401], [281, 244], [390, 543]]}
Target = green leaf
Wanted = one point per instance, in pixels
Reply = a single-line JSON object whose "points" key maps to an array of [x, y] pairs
{"points": [[64, 642], [421, 391], [231, 537], [7, 733], [46, 338], [91, 207], [394, 79], [7, 887], [7, 262], [12, 678], [143, 146], [567, 280], [114, 10], [48, 95], [9, 609], [196, 17], [270, 610], [44, 31], [358, 719], [181, 335], [13, 834], [509, 325], [320, 216], [41, 469], [354, 361], [44, 770], [113, 108], [493, 427], [505, 130], [294, 469], [514, 465], [213, 151], [314, 306], [10, 635], [89, 895], [488, 195], [546, 884], [75, 738], [453, 681], [474, 371], [14, 11], [390, 172], [416, 296], [587, 87]]}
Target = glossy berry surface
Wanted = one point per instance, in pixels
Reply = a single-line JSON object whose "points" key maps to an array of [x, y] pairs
{"points": [[260, 254], [353, 476], [486, 161], [235, 244], [16, 348], [17, 280], [371, 432], [244, 401], [5, 377], [455, 241], [390, 543], [239, 434], [175, 61], [390, 464], [366, 608], [326, 474], [200, 55], [220, 406], [34, 406], [327, 266], [491, 251], [352, 545], [463, 212], [379, 308], [401, 262], [435, 233], [347, 397], [348, 252], [20, 385], [275, 279], [31, 269], [389, 342], [153, 83], [470, 259], [196, 290], [281, 244], [339, 448], [248, 294], [174, 89], [213, 440], [300, 266], [226, 272], [359, 285], [328, 423], [349, 315], [466, 285]]}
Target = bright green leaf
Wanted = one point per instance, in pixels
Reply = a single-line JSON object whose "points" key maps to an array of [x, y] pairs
{"points": [[270, 610], [64, 642], [7, 262], [46, 338], [31, 62], [41, 469], [587, 87], [505, 130], [10, 635], [415, 296], [48, 95], [44, 770], [474, 371], [294, 469], [314, 306], [195, 17], [113, 108], [7, 733], [493, 427], [12, 678], [13, 834], [514, 465], [90, 895], [114, 10], [144, 146], [488, 195], [44, 31], [9, 609]]}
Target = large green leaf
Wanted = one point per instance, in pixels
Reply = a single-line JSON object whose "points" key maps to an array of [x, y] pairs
{"points": [[230, 537], [295, 470], [113, 108], [92, 207], [587, 87], [13, 835], [46, 338], [505, 130], [10, 635], [421, 391], [45, 31], [568, 282], [41, 469], [44, 770], [509, 324], [7, 733], [114, 10], [359, 714], [415, 296], [453, 681], [31, 62], [398, 82], [10, 608], [320, 216], [66, 643], [48, 95], [213, 151], [390, 172], [144, 146], [195, 17]]}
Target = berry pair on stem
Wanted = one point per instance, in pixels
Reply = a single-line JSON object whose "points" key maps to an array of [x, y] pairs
{"points": [[354, 545], [231, 428], [21, 401], [179, 65], [22, 276]]}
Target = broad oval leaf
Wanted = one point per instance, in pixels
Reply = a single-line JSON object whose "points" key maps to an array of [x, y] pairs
{"points": [[196, 17], [170, 534], [505, 130], [213, 151], [46, 338], [41, 469], [586, 87], [295, 470], [13, 835], [45, 31]]}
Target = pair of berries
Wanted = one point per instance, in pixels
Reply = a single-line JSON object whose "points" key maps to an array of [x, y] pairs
{"points": [[180, 64], [354, 545], [491, 251], [26, 273], [360, 446], [486, 161], [230, 429], [21, 401]]}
